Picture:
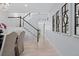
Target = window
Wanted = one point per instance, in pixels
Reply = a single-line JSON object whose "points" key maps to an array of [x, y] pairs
{"points": [[53, 23], [65, 18], [76, 18], [57, 21]]}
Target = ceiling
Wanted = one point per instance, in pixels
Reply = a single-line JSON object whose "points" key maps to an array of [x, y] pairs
{"points": [[30, 7]]}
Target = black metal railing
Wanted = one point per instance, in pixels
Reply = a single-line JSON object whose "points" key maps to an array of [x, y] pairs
{"points": [[25, 21]]}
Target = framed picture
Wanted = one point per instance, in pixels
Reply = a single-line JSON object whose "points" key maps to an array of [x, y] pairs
{"points": [[57, 21], [65, 19], [53, 23], [76, 32]]}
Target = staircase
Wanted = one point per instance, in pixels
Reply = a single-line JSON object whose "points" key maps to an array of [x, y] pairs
{"points": [[28, 27]]}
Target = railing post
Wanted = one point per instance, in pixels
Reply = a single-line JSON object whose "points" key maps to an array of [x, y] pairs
{"points": [[38, 34], [23, 22], [20, 22]]}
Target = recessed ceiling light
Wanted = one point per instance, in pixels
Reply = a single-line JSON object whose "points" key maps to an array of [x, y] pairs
{"points": [[4, 6], [26, 5]]}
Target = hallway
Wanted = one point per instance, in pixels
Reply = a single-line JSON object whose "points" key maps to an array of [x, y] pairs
{"points": [[54, 25]]}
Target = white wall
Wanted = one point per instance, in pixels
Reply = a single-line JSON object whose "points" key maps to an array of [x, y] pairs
{"points": [[10, 22], [66, 44], [2, 17]]}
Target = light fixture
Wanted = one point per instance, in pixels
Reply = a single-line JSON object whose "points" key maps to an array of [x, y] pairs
{"points": [[4, 6], [25, 5]]}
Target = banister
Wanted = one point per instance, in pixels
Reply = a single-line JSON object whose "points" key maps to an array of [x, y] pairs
{"points": [[26, 15], [30, 24], [13, 17], [30, 32]]}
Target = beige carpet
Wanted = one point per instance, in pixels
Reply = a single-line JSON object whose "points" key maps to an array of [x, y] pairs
{"points": [[43, 48]]}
